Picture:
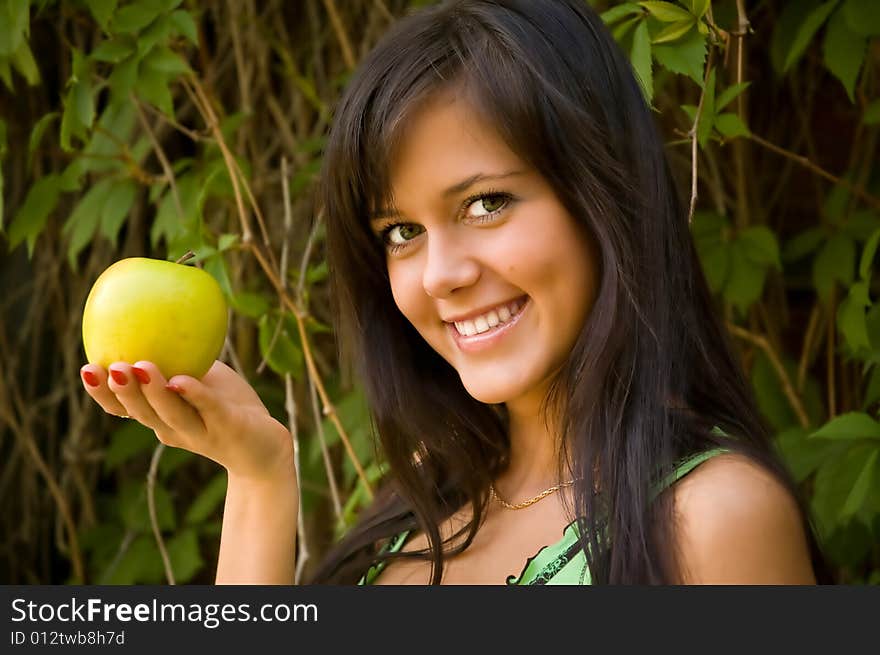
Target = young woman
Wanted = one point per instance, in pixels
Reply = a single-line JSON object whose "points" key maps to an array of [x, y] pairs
{"points": [[515, 280]]}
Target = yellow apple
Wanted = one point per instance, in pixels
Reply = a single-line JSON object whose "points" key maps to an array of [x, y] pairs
{"points": [[170, 314]]}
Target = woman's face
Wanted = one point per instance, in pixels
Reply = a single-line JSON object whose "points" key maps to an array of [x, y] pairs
{"points": [[483, 259]]}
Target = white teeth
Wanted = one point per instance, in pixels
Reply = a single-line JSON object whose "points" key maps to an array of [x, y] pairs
{"points": [[489, 320]]}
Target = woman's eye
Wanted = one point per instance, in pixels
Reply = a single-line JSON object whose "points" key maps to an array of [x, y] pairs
{"points": [[397, 235], [490, 203]]}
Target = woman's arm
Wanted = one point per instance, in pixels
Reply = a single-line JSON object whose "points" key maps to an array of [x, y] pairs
{"points": [[257, 545], [737, 524]]}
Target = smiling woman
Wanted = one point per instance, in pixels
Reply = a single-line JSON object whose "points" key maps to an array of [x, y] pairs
{"points": [[515, 282]]}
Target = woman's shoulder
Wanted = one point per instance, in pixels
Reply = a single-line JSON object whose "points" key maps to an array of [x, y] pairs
{"points": [[736, 522]]}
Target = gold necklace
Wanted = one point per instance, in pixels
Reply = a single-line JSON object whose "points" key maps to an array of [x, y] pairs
{"points": [[531, 501]]}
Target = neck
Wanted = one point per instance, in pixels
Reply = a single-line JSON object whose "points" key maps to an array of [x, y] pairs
{"points": [[534, 450]]}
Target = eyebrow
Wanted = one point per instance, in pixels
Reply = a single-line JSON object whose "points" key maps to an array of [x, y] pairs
{"points": [[457, 188]]}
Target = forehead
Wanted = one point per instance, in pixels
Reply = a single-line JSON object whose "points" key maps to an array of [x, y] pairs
{"points": [[444, 140]]}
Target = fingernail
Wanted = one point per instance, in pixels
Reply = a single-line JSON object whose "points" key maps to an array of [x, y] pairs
{"points": [[118, 376], [141, 375], [174, 388], [90, 378]]}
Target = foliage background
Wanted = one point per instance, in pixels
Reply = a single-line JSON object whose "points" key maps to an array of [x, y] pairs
{"points": [[151, 127]]}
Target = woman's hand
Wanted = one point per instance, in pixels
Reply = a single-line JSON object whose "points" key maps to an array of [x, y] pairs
{"points": [[220, 416]]}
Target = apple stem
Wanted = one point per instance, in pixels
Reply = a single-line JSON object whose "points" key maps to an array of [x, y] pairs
{"points": [[189, 254]]}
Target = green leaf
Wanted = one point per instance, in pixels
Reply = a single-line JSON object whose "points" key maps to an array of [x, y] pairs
{"points": [[835, 262], [158, 32], [102, 10], [186, 25], [851, 319], [640, 56], [152, 87], [806, 31], [14, 17], [859, 492], [23, 61], [134, 511], [834, 483], [37, 134], [667, 12], [698, 7], [123, 79], [208, 500], [113, 51], [862, 17], [853, 425], [252, 305], [730, 125], [861, 224], [620, 11], [872, 113], [135, 17], [745, 281], [183, 551], [760, 246], [165, 60], [685, 57], [83, 104], [83, 222], [128, 441], [707, 115], [673, 31], [279, 345], [116, 208], [844, 52], [867, 260], [226, 241], [803, 244], [34, 212], [715, 261], [803, 456], [730, 94], [772, 401]]}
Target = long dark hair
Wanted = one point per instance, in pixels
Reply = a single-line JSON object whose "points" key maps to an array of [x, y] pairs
{"points": [[651, 372]]}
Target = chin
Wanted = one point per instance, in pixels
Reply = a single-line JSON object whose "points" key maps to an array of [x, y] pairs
{"points": [[492, 392]]}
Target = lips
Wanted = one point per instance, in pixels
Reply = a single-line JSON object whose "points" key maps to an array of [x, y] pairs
{"points": [[478, 332], [484, 322]]}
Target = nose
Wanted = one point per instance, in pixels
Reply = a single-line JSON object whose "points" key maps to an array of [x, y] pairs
{"points": [[449, 266]]}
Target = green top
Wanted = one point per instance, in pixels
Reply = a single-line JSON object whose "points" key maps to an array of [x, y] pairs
{"points": [[562, 563]]}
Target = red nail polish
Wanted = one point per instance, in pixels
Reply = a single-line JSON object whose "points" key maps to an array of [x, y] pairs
{"points": [[118, 376], [141, 375], [174, 388], [90, 378]]}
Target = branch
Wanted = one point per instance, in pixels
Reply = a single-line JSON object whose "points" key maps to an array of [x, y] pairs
{"points": [[762, 343], [821, 172], [151, 506], [345, 44]]}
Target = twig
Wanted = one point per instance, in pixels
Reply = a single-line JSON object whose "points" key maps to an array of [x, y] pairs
{"points": [[160, 154], [821, 172], [762, 343], [151, 506], [345, 44], [289, 400], [693, 136], [812, 327]]}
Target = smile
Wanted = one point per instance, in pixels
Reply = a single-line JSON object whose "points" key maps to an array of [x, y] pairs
{"points": [[484, 330]]}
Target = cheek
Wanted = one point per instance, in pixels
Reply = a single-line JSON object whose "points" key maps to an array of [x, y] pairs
{"points": [[407, 290]]}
